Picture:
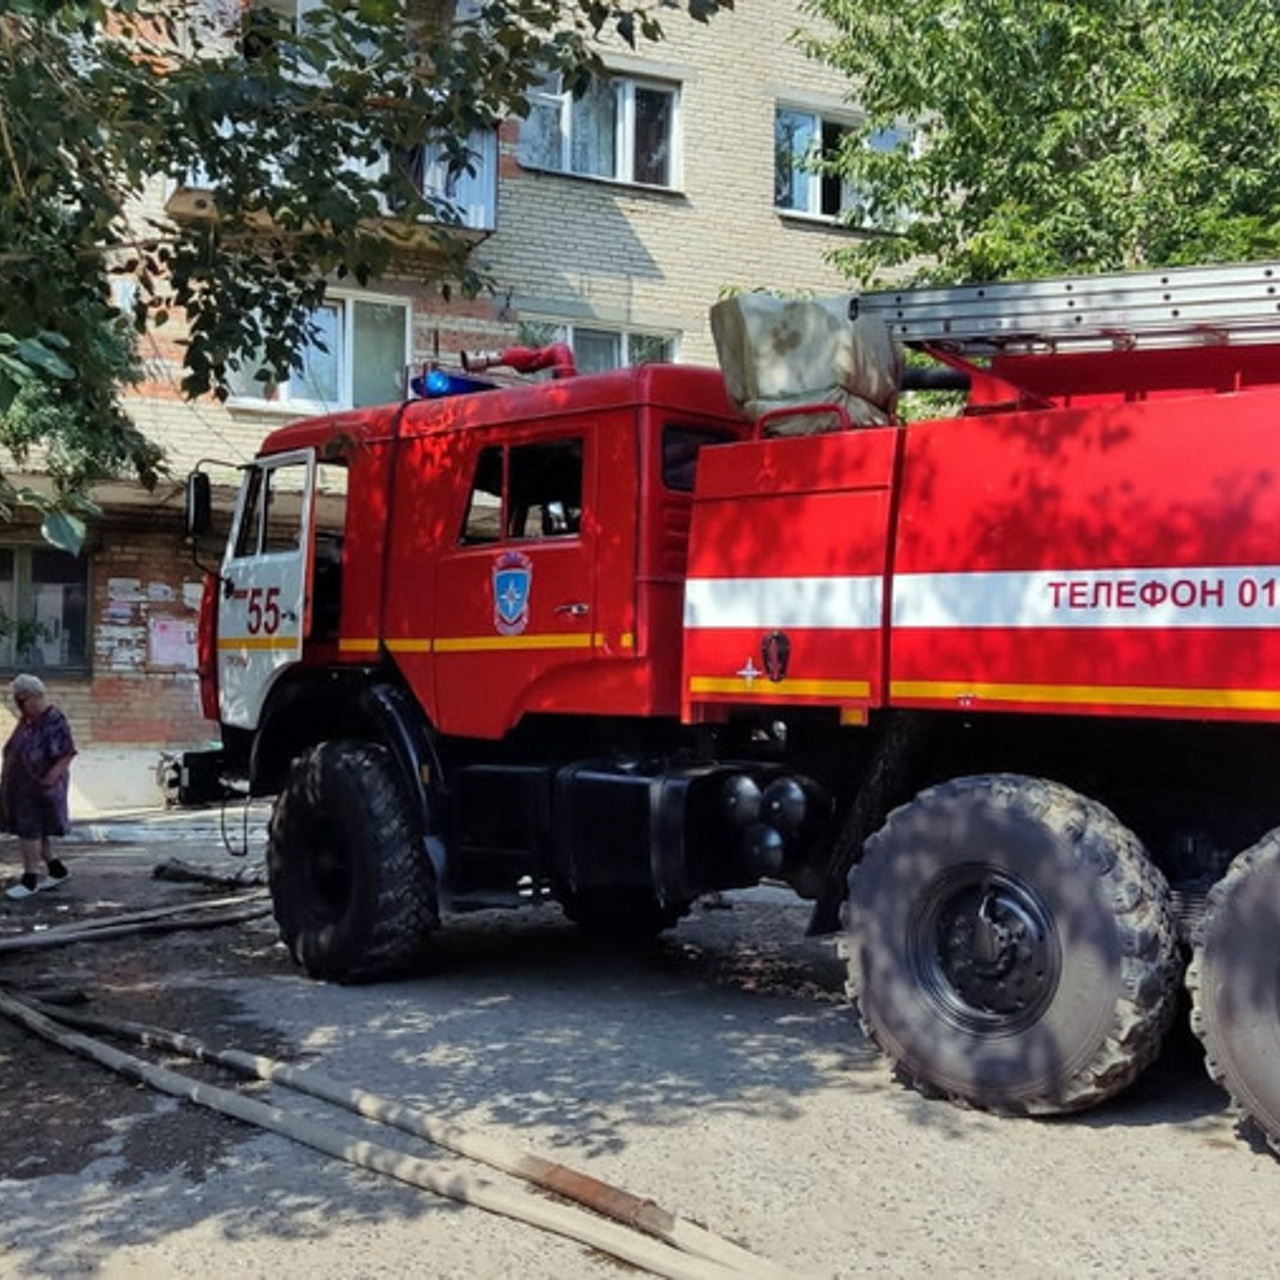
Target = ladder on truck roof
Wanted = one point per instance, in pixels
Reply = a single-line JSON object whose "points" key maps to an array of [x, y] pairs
{"points": [[1175, 307]]}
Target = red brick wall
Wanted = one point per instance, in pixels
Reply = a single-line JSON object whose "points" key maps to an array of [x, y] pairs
{"points": [[141, 690], [143, 599]]}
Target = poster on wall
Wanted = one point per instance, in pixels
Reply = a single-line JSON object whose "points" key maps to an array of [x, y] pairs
{"points": [[172, 643]]}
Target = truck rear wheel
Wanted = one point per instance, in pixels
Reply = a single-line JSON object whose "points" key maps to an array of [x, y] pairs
{"points": [[353, 895], [1234, 980], [1010, 946]]}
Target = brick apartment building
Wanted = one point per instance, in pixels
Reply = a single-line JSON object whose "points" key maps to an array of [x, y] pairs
{"points": [[612, 223]]}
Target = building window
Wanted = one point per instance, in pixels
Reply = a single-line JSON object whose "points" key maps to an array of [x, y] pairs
{"points": [[358, 358], [44, 609], [470, 193], [802, 140], [596, 349], [858, 207], [620, 129]]}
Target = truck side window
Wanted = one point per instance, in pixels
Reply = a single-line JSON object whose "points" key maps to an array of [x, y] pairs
{"points": [[273, 509], [247, 536], [282, 529], [483, 521], [545, 490], [680, 448]]}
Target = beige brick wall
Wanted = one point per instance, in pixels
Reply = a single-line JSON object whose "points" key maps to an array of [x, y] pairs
{"points": [[583, 249], [578, 250]]}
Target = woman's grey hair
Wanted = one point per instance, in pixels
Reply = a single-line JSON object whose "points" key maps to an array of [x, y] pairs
{"points": [[25, 684]]}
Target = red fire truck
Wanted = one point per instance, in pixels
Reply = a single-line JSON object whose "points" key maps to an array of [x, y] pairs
{"points": [[996, 691]]}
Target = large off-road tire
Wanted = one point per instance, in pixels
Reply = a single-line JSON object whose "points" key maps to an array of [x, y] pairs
{"points": [[1234, 980], [353, 894], [624, 916], [1011, 946]]}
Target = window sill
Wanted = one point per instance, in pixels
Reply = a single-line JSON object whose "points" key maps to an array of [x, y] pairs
{"points": [[824, 221], [640, 188], [282, 408]]}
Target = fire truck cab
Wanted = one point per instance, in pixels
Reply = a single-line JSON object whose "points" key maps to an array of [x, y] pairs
{"points": [[476, 600]]}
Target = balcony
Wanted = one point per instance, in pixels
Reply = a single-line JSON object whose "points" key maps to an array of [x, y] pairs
{"points": [[471, 195]]}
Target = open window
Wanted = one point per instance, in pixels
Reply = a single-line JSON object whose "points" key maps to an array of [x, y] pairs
{"points": [[803, 141], [272, 516], [483, 521]]}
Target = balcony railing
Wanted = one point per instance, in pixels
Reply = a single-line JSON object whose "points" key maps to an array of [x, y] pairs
{"points": [[471, 194]]}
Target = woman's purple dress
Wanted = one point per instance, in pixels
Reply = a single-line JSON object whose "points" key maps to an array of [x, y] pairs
{"points": [[30, 810]]}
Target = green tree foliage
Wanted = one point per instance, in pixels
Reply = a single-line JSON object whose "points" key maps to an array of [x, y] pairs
{"points": [[305, 129], [1057, 136]]}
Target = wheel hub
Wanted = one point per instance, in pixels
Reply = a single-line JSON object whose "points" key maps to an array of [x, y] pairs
{"points": [[985, 949]]}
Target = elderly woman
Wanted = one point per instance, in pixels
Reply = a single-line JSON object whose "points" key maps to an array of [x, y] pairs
{"points": [[33, 784]]}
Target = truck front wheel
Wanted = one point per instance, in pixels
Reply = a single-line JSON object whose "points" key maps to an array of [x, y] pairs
{"points": [[1010, 946], [353, 894], [1234, 980]]}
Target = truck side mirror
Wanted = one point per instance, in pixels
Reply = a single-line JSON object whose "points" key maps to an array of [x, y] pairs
{"points": [[199, 504]]}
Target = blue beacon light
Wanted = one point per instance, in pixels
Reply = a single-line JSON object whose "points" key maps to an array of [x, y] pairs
{"points": [[434, 383]]}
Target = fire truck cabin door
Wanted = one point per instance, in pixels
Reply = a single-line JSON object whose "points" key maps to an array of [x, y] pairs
{"points": [[263, 608]]}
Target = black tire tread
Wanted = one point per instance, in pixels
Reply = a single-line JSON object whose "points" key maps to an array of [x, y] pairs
{"points": [[1136, 891], [405, 913], [1244, 867]]}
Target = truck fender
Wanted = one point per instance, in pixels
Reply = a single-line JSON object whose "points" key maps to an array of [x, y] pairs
{"points": [[403, 729], [371, 711]]}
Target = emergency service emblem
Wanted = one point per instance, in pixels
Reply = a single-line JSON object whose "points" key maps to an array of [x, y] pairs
{"points": [[512, 581], [775, 652]]}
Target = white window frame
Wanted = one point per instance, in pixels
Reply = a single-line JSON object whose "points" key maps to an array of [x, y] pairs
{"points": [[552, 94], [283, 401], [472, 192], [543, 332], [22, 607], [855, 210], [812, 207], [473, 195], [852, 208]]}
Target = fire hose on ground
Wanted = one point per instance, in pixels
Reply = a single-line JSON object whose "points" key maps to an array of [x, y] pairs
{"points": [[642, 1233], [210, 914]]}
